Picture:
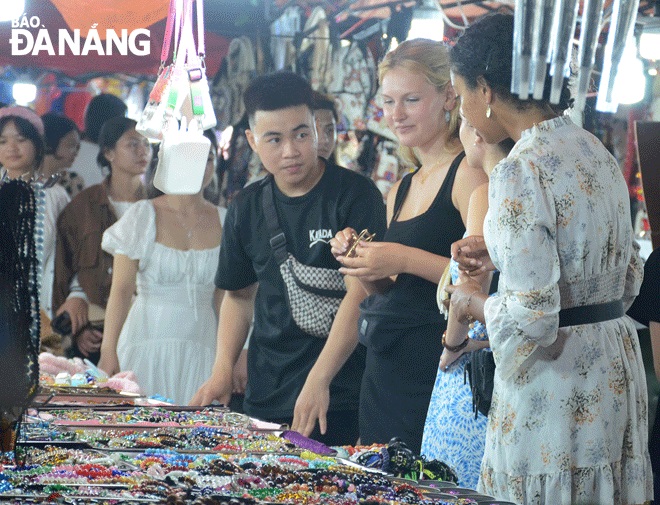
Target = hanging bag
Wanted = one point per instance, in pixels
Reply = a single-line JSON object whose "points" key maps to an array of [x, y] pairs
{"points": [[184, 148], [154, 117], [200, 95], [314, 293], [181, 89], [182, 160]]}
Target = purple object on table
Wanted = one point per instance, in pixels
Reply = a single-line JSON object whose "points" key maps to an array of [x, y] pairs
{"points": [[307, 443]]}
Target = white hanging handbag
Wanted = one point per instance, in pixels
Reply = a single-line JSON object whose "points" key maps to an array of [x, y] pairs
{"points": [[182, 159], [156, 114], [181, 89]]}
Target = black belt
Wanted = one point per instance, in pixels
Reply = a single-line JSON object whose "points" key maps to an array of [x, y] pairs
{"points": [[591, 314]]}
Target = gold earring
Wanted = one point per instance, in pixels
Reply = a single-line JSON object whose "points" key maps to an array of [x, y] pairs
{"points": [[488, 111]]}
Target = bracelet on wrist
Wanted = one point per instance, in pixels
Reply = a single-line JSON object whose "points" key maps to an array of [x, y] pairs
{"points": [[454, 348]]}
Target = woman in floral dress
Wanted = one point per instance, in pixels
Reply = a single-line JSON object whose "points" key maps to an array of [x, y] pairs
{"points": [[568, 422], [462, 445]]}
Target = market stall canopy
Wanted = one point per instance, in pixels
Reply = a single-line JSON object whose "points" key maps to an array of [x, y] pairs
{"points": [[45, 19]]}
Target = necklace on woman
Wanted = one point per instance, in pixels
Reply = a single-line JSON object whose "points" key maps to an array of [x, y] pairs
{"points": [[423, 176], [189, 229]]}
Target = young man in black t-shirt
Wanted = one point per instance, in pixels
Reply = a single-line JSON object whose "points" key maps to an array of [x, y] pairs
{"points": [[293, 377]]}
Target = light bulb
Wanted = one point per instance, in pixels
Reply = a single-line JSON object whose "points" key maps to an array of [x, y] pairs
{"points": [[11, 9], [630, 83], [24, 93]]}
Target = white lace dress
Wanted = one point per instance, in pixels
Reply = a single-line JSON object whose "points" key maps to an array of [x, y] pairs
{"points": [[568, 423], [169, 337]]}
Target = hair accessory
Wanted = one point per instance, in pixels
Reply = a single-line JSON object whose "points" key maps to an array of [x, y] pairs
{"points": [[488, 111], [447, 116], [24, 113], [364, 236]]}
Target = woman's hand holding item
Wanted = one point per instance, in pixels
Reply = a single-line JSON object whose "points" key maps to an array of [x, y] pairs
{"points": [[342, 242], [78, 310], [462, 295], [472, 255], [374, 261]]}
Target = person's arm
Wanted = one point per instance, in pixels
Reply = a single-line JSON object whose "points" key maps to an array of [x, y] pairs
{"points": [[456, 330], [218, 296], [235, 317], [314, 398], [524, 315], [124, 273]]}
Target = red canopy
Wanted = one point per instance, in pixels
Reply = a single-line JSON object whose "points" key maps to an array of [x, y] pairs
{"points": [[56, 15]]}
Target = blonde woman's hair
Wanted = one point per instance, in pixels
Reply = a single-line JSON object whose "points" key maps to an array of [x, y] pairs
{"points": [[431, 59]]}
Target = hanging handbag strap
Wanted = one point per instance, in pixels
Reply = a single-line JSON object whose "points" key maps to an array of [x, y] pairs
{"points": [[277, 238]]}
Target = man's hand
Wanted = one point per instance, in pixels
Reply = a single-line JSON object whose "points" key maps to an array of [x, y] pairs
{"points": [[218, 387], [311, 405], [472, 255], [78, 311], [89, 341], [239, 375]]}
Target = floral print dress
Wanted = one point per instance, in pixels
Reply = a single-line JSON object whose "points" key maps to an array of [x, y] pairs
{"points": [[568, 423]]}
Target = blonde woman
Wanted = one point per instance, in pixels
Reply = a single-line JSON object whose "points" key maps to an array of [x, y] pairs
{"points": [[426, 211]]}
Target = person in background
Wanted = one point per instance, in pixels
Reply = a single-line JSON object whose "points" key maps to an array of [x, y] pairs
{"points": [[164, 250], [462, 446], [62, 145], [646, 310], [101, 108], [21, 154], [293, 377], [83, 271], [568, 419], [427, 211], [325, 118]]}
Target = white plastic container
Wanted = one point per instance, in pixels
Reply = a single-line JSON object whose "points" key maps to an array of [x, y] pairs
{"points": [[182, 160]]}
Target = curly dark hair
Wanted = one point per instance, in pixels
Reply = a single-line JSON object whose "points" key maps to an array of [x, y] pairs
{"points": [[485, 50]]}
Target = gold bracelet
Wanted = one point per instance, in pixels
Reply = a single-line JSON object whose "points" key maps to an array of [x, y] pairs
{"points": [[454, 348]]}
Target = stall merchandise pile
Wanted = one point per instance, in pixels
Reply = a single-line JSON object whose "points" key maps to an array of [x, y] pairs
{"points": [[119, 453]]}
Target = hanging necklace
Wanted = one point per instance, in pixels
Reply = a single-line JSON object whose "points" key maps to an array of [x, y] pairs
{"points": [[423, 176], [189, 229]]}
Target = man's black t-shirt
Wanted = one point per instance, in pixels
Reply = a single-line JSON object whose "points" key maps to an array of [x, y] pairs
{"points": [[280, 354], [646, 306]]}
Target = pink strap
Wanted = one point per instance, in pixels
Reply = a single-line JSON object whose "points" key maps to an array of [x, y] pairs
{"points": [[167, 39], [201, 48]]}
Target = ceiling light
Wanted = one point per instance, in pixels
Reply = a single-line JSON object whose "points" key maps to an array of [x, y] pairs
{"points": [[12, 9]]}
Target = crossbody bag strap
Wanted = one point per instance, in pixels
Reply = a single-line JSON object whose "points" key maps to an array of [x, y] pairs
{"points": [[277, 238]]}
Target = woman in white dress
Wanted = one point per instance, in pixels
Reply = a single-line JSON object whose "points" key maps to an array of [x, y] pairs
{"points": [[165, 250], [568, 422]]}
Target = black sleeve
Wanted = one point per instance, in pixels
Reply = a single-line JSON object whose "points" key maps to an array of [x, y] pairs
{"points": [[367, 209], [235, 270], [647, 304]]}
